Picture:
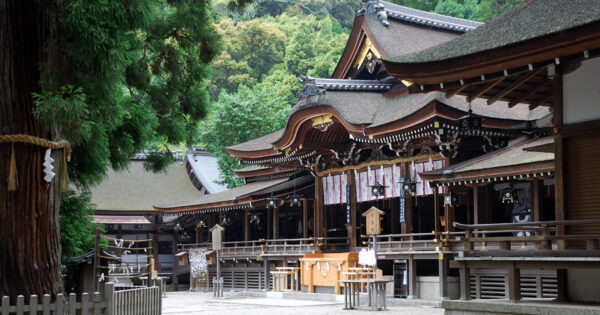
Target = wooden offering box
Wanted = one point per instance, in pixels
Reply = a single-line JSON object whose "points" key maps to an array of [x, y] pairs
{"points": [[325, 270]]}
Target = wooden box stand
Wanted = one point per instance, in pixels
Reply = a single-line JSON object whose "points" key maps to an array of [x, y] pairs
{"points": [[325, 270]]}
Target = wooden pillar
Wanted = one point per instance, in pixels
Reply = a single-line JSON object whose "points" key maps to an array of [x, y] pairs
{"points": [[351, 180], [476, 207], [266, 272], [395, 215], [561, 285], [246, 225], [465, 282], [276, 223], [318, 207], [174, 279], [443, 278], [269, 223], [412, 279], [211, 223], [449, 218], [198, 231], [536, 198], [436, 212], [514, 282], [408, 203], [304, 218], [560, 175]]}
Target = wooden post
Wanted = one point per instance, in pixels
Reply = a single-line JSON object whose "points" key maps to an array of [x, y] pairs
{"points": [[109, 290], [476, 216], [246, 225], [97, 260], [443, 278], [412, 278], [174, 279], [465, 282], [561, 285], [150, 259], [211, 222], [436, 212], [269, 223], [560, 175], [276, 222], [514, 282], [408, 204], [266, 272], [318, 207], [536, 200], [304, 218], [352, 228]]}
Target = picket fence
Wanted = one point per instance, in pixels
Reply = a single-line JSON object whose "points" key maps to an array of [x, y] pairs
{"points": [[127, 301]]}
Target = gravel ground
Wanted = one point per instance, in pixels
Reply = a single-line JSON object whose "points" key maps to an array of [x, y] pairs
{"points": [[203, 303]]}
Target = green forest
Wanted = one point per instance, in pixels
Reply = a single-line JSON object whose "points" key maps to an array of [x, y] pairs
{"points": [[268, 44]]}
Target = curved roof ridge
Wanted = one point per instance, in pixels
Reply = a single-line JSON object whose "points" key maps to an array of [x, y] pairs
{"points": [[404, 13]]}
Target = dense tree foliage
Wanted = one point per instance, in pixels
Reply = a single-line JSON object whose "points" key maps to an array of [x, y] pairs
{"points": [[112, 78]]}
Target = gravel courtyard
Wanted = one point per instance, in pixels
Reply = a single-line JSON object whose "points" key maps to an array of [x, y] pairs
{"points": [[203, 303]]}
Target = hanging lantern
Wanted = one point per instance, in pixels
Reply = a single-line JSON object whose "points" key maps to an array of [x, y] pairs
{"points": [[295, 200], [509, 195], [408, 186], [255, 218], [185, 236], [377, 190], [451, 199], [469, 122], [272, 202], [226, 220], [201, 224], [178, 227]]}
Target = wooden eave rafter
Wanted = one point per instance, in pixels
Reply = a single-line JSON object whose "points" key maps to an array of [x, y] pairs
{"points": [[539, 50], [261, 172], [520, 171], [292, 133]]}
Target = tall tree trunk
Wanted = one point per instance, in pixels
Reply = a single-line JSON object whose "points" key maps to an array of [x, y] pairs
{"points": [[29, 229]]}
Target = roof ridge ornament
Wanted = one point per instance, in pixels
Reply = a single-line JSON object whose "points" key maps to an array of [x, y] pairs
{"points": [[310, 87], [375, 6]]}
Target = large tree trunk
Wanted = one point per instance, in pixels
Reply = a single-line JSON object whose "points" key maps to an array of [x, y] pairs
{"points": [[29, 230]]}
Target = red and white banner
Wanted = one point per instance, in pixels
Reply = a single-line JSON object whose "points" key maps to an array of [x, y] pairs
{"points": [[423, 188], [388, 176], [334, 189]]}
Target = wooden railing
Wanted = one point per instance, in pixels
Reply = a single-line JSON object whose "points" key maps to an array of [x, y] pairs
{"points": [[538, 236], [292, 246], [418, 242], [147, 300]]}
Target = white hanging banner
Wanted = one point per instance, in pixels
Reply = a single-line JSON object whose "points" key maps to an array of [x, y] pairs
{"points": [[422, 187], [388, 176], [334, 189]]}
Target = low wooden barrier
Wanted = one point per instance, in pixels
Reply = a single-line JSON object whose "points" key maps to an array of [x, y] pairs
{"points": [[419, 242], [286, 279], [146, 300]]}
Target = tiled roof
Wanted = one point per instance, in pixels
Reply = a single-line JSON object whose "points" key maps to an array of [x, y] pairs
{"points": [[258, 144], [513, 160], [532, 19], [136, 189], [205, 169]]}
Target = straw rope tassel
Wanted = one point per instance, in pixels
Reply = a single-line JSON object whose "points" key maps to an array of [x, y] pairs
{"points": [[13, 181]]}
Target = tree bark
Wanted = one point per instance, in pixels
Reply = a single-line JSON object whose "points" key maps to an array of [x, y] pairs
{"points": [[29, 229]]}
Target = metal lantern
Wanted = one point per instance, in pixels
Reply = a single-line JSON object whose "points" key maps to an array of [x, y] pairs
{"points": [[469, 122], [295, 200], [377, 190], [272, 202], [185, 236], [255, 218], [509, 196], [226, 220], [451, 199], [201, 224], [408, 186], [178, 227]]}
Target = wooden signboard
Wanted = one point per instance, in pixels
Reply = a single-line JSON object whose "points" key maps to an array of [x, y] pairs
{"points": [[217, 232], [373, 217]]}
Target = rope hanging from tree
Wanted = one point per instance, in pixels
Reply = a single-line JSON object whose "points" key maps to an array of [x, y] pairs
{"points": [[13, 182]]}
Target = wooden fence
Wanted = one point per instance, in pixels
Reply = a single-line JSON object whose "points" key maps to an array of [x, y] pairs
{"points": [[143, 301]]}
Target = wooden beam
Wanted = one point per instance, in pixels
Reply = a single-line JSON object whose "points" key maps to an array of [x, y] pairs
{"points": [[484, 89], [454, 92], [514, 282], [515, 85], [529, 94], [541, 101]]}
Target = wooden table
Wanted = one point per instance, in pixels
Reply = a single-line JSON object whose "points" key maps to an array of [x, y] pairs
{"points": [[376, 289]]}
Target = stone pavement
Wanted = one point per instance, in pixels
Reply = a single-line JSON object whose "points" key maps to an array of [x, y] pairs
{"points": [[236, 303]]}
